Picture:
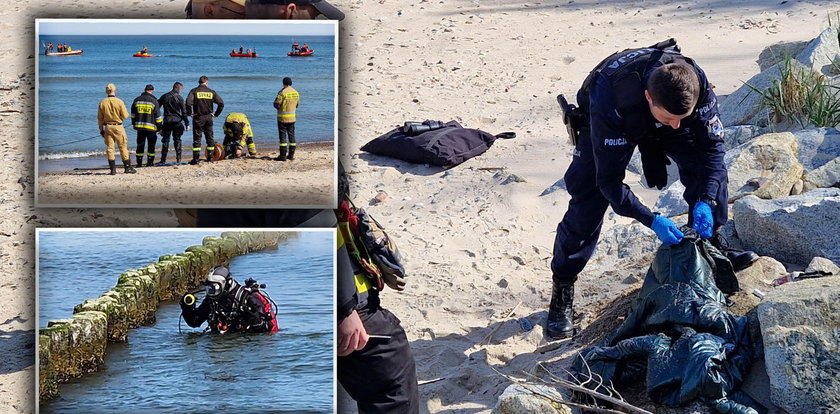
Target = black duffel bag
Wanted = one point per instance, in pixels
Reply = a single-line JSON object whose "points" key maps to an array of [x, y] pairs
{"points": [[447, 146]]}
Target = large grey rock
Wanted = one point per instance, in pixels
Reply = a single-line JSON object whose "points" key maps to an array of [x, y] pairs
{"points": [[736, 135], [744, 105], [821, 52], [766, 167], [817, 146], [826, 176], [823, 265], [530, 399], [800, 327], [671, 202], [766, 269], [626, 241], [793, 229]]}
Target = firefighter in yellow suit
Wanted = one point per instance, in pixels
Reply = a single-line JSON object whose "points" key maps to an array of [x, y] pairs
{"points": [[286, 103], [238, 134], [110, 117]]}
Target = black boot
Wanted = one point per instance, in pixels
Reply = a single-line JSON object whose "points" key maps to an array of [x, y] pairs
{"points": [[282, 156], [291, 153], [741, 259], [177, 156], [163, 152], [150, 161], [139, 161], [113, 165], [195, 158], [128, 169], [559, 323], [210, 153]]}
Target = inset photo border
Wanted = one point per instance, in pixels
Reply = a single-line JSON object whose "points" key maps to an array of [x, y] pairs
{"points": [[185, 320], [273, 144]]}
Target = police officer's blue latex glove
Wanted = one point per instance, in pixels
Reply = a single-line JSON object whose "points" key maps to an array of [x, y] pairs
{"points": [[703, 219], [666, 230]]}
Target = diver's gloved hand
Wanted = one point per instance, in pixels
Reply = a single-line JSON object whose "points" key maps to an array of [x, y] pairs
{"points": [[703, 219], [666, 230], [187, 301]]}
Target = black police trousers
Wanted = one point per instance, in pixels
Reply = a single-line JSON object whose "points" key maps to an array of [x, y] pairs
{"points": [[577, 234], [287, 133], [381, 377], [203, 124], [144, 137], [176, 130]]}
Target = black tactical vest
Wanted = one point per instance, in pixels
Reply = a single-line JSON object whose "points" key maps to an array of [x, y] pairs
{"points": [[626, 71]]}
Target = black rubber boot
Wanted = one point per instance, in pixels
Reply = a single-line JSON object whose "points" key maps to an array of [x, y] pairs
{"points": [[150, 161], [559, 324], [291, 152], [163, 151], [113, 165], [177, 156], [139, 161], [210, 156], [195, 158], [741, 259], [282, 156], [128, 169]]}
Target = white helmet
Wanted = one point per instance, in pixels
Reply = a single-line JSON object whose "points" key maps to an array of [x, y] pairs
{"points": [[217, 281]]}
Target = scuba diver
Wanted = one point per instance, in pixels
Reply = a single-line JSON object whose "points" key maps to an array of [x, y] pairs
{"points": [[231, 307]]}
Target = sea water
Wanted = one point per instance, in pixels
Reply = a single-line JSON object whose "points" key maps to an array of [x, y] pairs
{"points": [[162, 370], [70, 87]]}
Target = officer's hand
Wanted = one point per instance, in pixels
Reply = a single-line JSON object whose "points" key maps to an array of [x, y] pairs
{"points": [[703, 219], [238, 152], [666, 230], [351, 335]]}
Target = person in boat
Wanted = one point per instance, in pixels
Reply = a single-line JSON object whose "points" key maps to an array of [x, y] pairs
{"points": [[291, 9], [230, 307], [49, 47], [241, 49], [295, 48], [233, 51], [305, 48], [145, 51]]}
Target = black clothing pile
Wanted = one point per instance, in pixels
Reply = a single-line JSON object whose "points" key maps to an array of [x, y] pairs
{"points": [[679, 336]]}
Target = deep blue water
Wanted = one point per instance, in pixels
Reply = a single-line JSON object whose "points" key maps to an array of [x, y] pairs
{"points": [[163, 371], [70, 87]]}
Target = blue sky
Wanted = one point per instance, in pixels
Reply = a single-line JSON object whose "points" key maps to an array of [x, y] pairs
{"points": [[177, 27]]}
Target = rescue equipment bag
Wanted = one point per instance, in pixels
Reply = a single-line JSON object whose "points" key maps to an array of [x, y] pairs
{"points": [[445, 146], [370, 247]]}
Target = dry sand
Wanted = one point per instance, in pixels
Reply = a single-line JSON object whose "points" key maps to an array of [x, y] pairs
{"points": [[477, 250], [309, 180]]}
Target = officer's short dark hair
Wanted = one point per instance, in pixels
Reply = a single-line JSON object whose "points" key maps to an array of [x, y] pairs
{"points": [[177, 84], [203, 79], [287, 81], [674, 87]]}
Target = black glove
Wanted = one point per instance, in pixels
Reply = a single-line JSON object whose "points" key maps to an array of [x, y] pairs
{"points": [[654, 164]]}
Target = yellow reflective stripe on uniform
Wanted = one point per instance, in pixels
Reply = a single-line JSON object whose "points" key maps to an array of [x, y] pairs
{"points": [[144, 108], [251, 145], [283, 144], [204, 95], [362, 283], [144, 125], [293, 144], [197, 149]]}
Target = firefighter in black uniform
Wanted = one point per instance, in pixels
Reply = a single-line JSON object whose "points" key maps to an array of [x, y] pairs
{"points": [[175, 120], [200, 106], [147, 121], [659, 100], [229, 306]]}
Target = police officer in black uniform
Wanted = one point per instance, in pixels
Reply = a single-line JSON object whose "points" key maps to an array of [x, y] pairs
{"points": [[229, 306], [662, 102], [200, 106], [175, 120]]}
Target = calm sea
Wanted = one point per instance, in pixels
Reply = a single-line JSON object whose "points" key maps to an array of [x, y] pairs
{"points": [[70, 87], [161, 370]]}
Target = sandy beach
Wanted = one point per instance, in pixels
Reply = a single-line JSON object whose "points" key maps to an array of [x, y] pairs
{"points": [[477, 250], [261, 181]]}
